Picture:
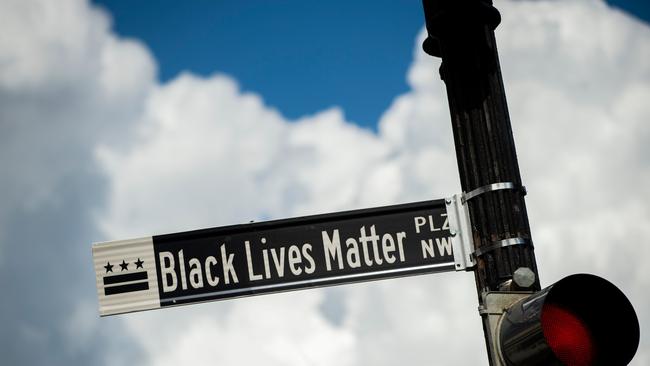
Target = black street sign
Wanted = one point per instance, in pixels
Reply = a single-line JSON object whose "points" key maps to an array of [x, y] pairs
{"points": [[274, 256]]}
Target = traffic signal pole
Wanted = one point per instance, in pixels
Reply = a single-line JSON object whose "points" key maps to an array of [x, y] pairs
{"points": [[580, 320], [461, 32]]}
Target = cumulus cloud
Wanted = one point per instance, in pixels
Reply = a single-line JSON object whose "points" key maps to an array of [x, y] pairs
{"points": [[276, 330], [66, 84], [92, 143], [220, 156]]}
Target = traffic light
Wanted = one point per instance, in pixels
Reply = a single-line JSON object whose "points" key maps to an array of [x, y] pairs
{"points": [[581, 320]]}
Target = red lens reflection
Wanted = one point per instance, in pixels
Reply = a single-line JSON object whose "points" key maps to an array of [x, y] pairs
{"points": [[568, 336]]}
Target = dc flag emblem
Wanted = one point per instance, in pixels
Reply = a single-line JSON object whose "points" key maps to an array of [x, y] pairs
{"points": [[126, 276], [127, 282]]}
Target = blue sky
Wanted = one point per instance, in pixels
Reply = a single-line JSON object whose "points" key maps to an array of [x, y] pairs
{"points": [[301, 56]]}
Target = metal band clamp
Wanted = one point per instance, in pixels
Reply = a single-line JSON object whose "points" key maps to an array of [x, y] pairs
{"points": [[501, 244], [491, 187]]}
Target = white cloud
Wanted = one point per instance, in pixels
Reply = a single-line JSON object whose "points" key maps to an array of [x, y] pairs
{"points": [[219, 156], [275, 330], [66, 84]]}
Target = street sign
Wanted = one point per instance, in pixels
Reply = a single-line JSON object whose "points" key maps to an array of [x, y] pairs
{"points": [[266, 257]]}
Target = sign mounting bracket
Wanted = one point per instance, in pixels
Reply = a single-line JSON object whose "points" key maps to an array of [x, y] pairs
{"points": [[460, 228]]}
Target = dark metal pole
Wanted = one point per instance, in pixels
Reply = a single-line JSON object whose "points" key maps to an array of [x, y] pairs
{"points": [[461, 32]]}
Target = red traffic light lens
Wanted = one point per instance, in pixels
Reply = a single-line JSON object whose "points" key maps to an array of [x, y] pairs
{"points": [[567, 335]]}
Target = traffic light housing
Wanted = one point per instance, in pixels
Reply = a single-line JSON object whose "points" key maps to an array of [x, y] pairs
{"points": [[581, 320]]}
